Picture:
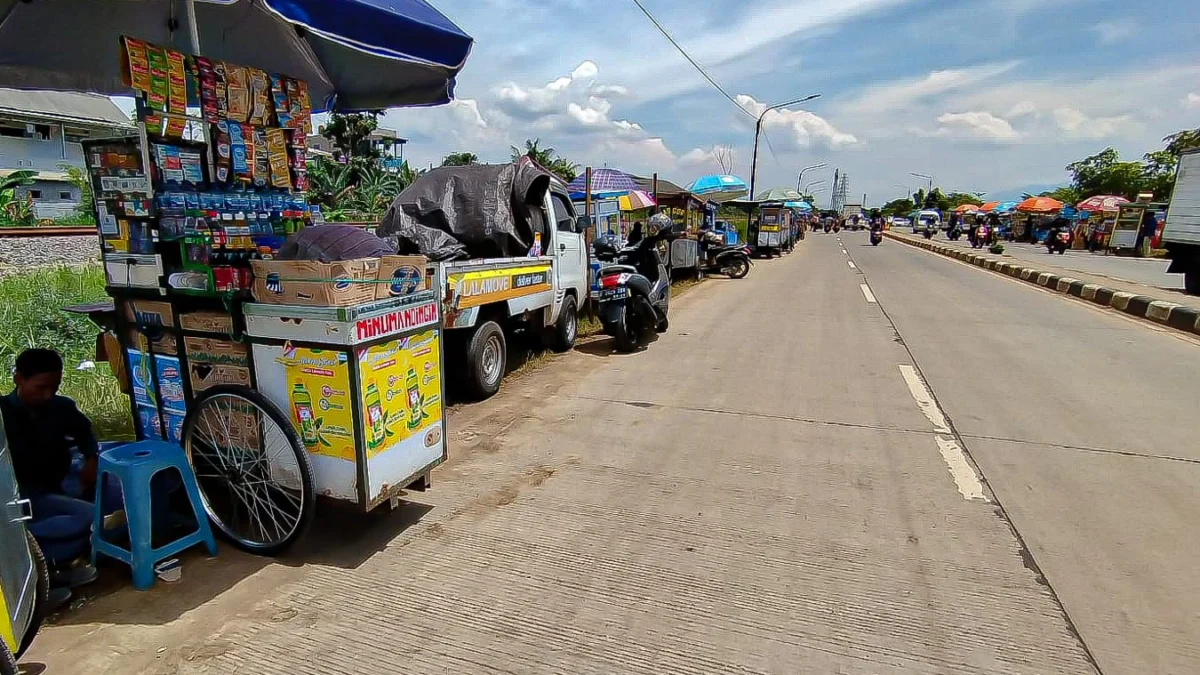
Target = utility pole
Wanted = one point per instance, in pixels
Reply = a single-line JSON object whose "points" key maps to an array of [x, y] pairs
{"points": [[758, 130]]}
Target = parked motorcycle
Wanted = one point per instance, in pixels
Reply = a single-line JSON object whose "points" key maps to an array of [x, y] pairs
{"points": [[1058, 242], [982, 233], [732, 261], [634, 286]]}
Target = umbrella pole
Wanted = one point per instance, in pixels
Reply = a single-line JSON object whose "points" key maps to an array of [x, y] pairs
{"points": [[189, 20]]}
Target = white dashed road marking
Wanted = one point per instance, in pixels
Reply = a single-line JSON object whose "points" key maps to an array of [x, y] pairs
{"points": [[866, 290], [965, 478], [851, 264]]}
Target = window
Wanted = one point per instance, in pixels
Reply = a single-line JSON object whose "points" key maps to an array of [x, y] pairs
{"points": [[65, 195], [564, 214], [35, 194]]}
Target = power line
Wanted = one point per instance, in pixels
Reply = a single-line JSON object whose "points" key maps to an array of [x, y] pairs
{"points": [[689, 58]]}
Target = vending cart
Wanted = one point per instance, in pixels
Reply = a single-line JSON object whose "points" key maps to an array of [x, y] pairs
{"points": [[774, 228]]}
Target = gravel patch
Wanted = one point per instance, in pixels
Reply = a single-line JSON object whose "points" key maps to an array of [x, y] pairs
{"points": [[18, 253]]}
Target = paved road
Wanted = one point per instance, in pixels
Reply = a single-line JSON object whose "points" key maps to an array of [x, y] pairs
{"points": [[769, 488], [1150, 272]]}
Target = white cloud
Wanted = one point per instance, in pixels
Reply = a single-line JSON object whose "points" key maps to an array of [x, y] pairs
{"points": [[1192, 100], [585, 71], [908, 92], [1111, 32], [805, 128], [609, 90], [1077, 124], [1023, 109], [976, 124]]}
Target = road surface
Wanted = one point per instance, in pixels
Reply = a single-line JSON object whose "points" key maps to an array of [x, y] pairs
{"points": [[771, 487]]}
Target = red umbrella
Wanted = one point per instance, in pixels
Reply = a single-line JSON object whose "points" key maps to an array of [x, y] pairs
{"points": [[1040, 205], [1101, 203], [989, 207]]}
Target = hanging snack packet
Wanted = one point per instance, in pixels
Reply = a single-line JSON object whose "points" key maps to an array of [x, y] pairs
{"points": [[223, 151], [238, 84], [281, 177], [305, 117], [238, 151], [260, 98], [222, 85], [169, 163], [295, 107], [261, 166], [298, 155], [154, 124], [208, 88], [174, 127], [138, 76], [177, 83], [283, 110], [192, 166], [160, 88]]}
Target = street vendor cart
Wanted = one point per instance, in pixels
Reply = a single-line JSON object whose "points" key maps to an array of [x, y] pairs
{"points": [[774, 229]]}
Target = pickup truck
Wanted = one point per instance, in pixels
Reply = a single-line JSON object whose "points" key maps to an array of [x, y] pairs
{"points": [[1181, 231]]}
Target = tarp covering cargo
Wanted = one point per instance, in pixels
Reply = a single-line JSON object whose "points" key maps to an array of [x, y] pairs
{"points": [[480, 211]]}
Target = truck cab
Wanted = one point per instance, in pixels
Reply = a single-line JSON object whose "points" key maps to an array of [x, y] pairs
{"points": [[1181, 231]]}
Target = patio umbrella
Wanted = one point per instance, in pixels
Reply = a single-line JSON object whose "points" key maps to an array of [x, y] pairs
{"points": [[799, 206], [635, 200], [988, 207], [1101, 203], [603, 180], [779, 194], [966, 208], [1005, 207], [719, 188], [354, 54], [1040, 205]]}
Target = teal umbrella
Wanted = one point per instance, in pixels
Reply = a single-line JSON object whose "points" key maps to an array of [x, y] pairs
{"points": [[779, 194]]}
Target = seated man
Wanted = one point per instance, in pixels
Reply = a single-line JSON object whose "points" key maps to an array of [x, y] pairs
{"points": [[43, 428]]}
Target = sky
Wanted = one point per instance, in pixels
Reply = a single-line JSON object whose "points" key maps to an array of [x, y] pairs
{"points": [[991, 96]]}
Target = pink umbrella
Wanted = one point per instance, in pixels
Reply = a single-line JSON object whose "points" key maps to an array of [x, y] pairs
{"points": [[634, 200], [1101, 203]]}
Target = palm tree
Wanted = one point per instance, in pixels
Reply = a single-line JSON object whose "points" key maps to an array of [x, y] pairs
{"points": [[547, 158]]}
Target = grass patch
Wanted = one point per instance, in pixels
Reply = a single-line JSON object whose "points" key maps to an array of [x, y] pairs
{"points": [[31, 305]]}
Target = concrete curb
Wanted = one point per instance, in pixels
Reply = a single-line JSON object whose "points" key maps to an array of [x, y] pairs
{"points": [[1180, 317]]}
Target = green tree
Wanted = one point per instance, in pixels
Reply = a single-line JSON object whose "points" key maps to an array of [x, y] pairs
{"points": [[957, 199], [547, 158], [1179, 141], [80, 179], [16, 210], [351, 133], [460, 159], [899, 207], [1105, 174]]}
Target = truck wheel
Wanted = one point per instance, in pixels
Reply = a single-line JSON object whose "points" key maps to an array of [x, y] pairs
{"points": [[1191, 280], [562, 337], [40, 598], [8, 664], [486, 360]]}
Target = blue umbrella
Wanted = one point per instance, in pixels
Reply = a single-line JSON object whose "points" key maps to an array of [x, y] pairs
{"points": [[719, 188], [354, 54], [1005, 207], [800, 206]]}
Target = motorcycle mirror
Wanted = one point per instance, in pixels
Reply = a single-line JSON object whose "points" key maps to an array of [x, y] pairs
{"points": [[583, 224]]}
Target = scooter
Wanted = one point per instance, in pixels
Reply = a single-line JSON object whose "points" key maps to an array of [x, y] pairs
{"points": [[732, 261], [954, 233], [981, 237], [876, 237], [634, 291], [929, 232], [1057, 242]]}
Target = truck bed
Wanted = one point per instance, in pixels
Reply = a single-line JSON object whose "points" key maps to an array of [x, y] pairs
{"points": [[1183, 214]]}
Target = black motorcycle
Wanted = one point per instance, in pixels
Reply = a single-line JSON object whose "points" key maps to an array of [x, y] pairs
{"points": [[732, 261], [876, 236], [1058, 241], [634, 290]]}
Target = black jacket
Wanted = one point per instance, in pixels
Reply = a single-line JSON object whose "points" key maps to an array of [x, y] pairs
{"points": [[40, 441]]}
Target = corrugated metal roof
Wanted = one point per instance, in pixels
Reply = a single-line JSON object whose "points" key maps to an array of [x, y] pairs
{"points": [[63, 106]]}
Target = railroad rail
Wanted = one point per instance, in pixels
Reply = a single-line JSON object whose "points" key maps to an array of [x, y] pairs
{"points": [[49, 231]]}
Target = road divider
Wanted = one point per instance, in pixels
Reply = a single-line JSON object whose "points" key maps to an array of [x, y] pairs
{"points": [[1174, 315]]}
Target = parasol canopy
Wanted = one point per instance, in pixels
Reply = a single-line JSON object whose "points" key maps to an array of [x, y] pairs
{"points": [[1005, 207], [635, 200], [719, 187], [799, 205], [1102, 203], [988, 207], [779, 194], [1040, 205], [354, 54], [603, 180], [966, 208]]}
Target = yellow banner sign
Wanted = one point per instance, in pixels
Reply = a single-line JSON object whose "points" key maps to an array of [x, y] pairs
{"points": [[472, 289], [318, 382], [401, 390]]}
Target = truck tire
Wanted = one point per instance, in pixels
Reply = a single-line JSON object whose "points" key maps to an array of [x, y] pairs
{"points": [[8, 664], [562, 336], [40, 597], [1191, 279], [486, 360]]}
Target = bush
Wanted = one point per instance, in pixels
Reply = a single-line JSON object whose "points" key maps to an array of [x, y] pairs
{"points": [[31, 307], [996, 248]]}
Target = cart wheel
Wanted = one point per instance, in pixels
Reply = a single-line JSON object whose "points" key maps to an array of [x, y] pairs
{"points": [[40, 599], [8, 663], [254, 475]]}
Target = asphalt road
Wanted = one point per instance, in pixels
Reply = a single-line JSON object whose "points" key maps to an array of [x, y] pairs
{"points": [[771, 487]]}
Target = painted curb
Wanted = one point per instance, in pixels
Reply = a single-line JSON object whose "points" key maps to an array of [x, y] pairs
{"points": [[1162, 312]]}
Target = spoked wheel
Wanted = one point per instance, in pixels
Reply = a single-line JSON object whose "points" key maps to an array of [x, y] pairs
{"points": [[738, 268], [255, 478]]}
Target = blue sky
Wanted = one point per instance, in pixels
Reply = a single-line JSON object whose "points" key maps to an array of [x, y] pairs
{"points": [[994, 96]]}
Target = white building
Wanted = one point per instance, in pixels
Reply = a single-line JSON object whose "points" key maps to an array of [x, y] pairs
{"points": [[42, 130]]}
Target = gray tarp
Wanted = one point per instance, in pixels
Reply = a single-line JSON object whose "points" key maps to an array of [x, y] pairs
{"points": [[480, 211]]}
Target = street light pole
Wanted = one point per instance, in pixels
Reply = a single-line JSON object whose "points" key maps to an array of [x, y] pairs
{"points": [[928, 178], [758, 130], [801, 176], [811, 185]]}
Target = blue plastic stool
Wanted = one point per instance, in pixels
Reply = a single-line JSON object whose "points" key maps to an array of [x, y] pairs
{"points": [[133, 465]]}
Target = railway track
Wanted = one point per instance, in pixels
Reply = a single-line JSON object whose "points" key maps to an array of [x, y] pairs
{"points": [[35, 232]]}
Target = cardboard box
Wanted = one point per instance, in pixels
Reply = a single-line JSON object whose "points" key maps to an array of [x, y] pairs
{"points": [[207, 375], [307, 282], [213, 350], [150, 313], [402, 274], [165, 343], [207, 322]]}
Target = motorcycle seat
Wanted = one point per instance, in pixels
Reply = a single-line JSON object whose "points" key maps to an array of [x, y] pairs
{"points": [[617, 269]]}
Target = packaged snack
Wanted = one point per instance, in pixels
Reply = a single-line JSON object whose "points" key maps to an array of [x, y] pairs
{"points": [[305, 116], [281, 177], [297, 150], [154, 124], [169, 163], [294, 104], [239, 152], [174, 127], [192, 166], [222, 152], [176, 83], [283, 110], [260, 98], [222, 87], [160, 88], [208, 88], [138, 75], [261, 166], [238, 92]]}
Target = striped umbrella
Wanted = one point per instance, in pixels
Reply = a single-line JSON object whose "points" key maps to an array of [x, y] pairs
{"points": [[1101, 203], [635, 200]]}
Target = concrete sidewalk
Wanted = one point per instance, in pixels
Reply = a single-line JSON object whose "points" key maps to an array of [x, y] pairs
{"points": [[1175, 309]]}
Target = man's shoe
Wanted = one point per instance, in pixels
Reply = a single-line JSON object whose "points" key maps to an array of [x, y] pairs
{"points": [[73, 576], [57, 598]]}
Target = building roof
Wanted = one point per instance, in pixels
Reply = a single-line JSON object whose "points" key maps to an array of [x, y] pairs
{"points": [[62, 106]]}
